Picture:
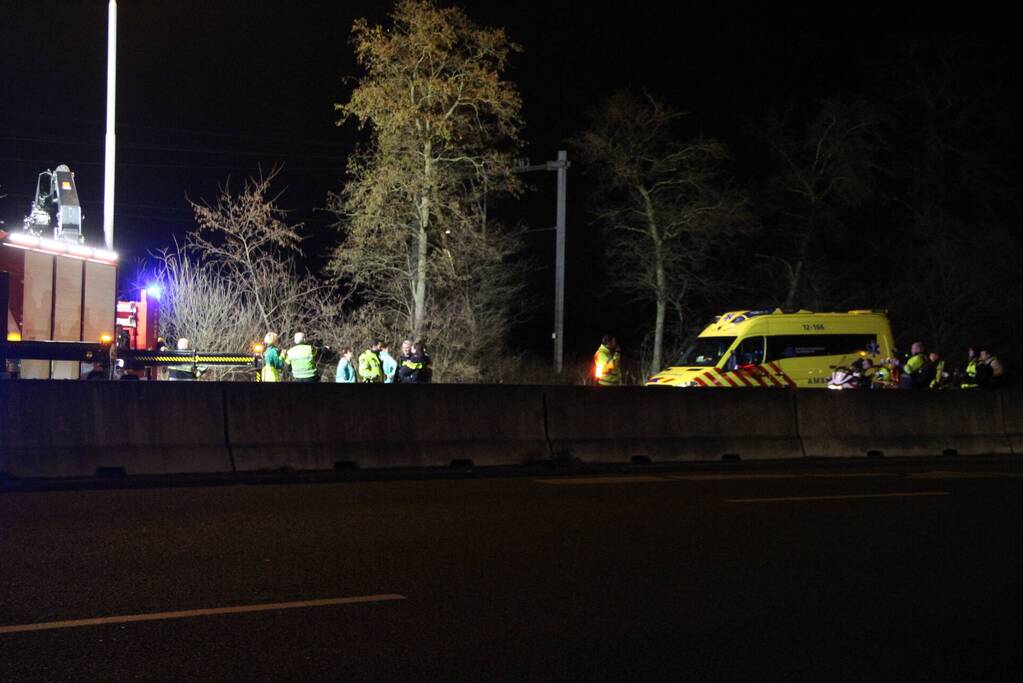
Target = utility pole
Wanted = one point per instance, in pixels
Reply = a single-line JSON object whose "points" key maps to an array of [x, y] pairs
{"points": [[561, 166], [108, 172]]}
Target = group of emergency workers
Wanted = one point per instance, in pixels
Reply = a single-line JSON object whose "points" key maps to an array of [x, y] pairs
{"points": [[375, 365], [922, 370]]}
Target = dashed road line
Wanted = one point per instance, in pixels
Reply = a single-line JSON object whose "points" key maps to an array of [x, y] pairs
{"points": [[847, 475], [182, 614], [651, 479], [856, 496], [944, 474], [730, 477], [583, 481]]}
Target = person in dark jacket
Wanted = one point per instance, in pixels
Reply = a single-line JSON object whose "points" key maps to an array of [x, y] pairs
{"points": [[416, 368], [182, 372], [404, 357]]}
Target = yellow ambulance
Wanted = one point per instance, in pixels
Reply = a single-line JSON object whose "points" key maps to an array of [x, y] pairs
{"points": [[776, 349]]}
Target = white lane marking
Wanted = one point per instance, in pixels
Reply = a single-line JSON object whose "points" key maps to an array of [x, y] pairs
{"points": [[744, 477], [649, 479], [939, 474], [157, 616], [856, 496], [731, 477], [579, 481], [841, 475]]}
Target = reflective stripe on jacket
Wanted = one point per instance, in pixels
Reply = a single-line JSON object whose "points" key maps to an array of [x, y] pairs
{"points": [[272, 365], [369, 367], [605, 364], [300, 358], [971, 374]]}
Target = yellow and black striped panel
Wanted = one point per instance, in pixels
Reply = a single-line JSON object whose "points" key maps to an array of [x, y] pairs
{"points": [[157, 358], [223, 359], [137, 358]]}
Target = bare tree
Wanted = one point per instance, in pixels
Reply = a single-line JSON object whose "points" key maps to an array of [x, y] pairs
{"points": [[824, 167], [663, 204], [236, 276], [953, 196]]}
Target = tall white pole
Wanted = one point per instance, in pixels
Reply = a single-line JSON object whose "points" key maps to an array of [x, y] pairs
{"points": [[108, 177], [559, 264]]}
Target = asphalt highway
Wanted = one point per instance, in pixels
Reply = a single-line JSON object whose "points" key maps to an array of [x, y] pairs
{"points": [[909, 572]]}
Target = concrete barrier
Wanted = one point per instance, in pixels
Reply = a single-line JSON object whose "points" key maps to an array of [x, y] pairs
{"points": [[1012, 410], [71, 429], [618, 424], [901, 423], [76, 428], [323, 426]]}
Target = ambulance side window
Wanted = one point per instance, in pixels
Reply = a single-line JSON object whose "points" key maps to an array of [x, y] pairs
{"points": [[750, 351], [814, 345]]}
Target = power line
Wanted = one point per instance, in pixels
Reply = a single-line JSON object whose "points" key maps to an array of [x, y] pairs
{"points": [[177, 149], [192, 131], [186, 167]]}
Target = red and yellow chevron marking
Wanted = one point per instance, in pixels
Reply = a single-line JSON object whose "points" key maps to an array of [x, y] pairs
{"points": [[742, 378], [728, 379], [788, 380], [762, 375], [710, 376], [754, 374]]}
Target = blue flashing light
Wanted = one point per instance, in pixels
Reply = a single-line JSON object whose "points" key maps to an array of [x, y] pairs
{"points": [[154, 291]]}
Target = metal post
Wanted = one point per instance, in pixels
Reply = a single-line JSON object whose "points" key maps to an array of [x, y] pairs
{"points": [[561, 166], [108, 174], [559, 267]]}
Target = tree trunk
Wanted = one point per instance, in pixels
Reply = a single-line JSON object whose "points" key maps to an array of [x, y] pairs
{"points": [[419, 293], [661, 282], [797, 272], [662, 307], [658, 360]]}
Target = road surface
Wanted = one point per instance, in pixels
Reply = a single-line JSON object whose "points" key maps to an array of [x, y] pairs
{"points": [[853, 573]]}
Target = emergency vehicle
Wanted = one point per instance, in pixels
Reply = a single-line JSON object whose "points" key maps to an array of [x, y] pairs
{"points": [[778, 349], [60, 293], [62, 316]]}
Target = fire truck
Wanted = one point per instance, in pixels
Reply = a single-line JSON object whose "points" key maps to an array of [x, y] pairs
{"points": [[60, 296], [60, 293]]}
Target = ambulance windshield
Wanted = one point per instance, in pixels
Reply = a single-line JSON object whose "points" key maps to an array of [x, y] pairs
{"points": [[705, 351]]}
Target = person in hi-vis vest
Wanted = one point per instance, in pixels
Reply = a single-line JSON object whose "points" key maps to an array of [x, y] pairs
{"points": [[607, 362]]}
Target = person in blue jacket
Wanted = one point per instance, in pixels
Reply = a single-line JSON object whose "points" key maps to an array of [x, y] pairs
{"points": [[388, 364], [345, 372]]}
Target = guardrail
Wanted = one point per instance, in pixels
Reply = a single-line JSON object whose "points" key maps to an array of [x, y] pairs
{"points": [[76, 429]]}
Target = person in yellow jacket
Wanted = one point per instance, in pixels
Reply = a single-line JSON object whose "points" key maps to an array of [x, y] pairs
{"points": [[607, 362], [302, 360], [915, 369], [970, 372], [370, 369]]}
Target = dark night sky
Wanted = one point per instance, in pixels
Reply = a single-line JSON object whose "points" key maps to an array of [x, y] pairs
{"points": [[208, 90]]}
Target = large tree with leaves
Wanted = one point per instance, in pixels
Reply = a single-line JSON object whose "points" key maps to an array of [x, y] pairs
{"points": [[665, 206], [444, 126]]}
